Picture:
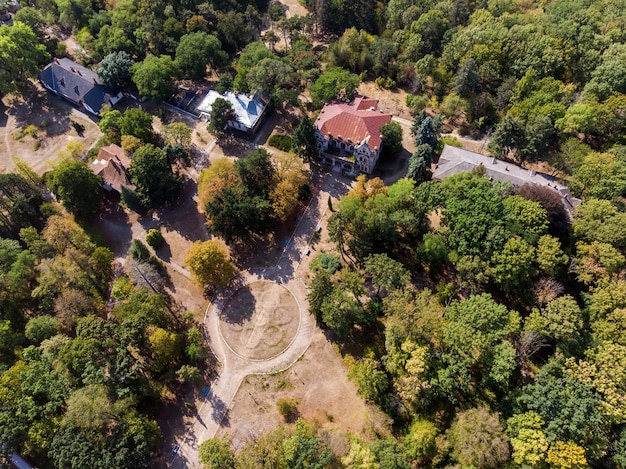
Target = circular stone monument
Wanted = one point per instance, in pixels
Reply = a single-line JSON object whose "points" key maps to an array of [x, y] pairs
{"points": [[260, 320]]}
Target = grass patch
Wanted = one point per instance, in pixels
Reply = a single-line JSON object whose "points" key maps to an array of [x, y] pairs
{"points": [[282, 142]]}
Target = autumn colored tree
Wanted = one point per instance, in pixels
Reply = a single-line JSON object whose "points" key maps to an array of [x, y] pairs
{"points": [[209, 264]]}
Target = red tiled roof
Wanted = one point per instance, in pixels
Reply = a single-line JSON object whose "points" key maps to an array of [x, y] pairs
{"points": [[357, 121]]}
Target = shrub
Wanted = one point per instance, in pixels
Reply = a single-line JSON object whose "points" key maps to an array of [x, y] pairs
{"points": [[155, 238], [282, 142], [328, 262], [139, 251], [287, 408]]}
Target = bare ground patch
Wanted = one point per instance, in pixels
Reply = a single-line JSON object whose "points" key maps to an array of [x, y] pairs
{"points": [[52, 119], [260, 320], [319, 384]]}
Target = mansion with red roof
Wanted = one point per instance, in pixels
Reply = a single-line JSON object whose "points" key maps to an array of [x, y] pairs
{"points": [[348, 135]]}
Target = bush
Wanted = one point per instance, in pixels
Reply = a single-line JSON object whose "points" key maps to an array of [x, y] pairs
{"points": [[287, 408], [328, 262], [282, 142], [155, 239], [139, 251]]}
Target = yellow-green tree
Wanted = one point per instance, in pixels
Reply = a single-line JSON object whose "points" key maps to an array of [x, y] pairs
{"points": [[568, 455], [216, 177], [210, 264]]}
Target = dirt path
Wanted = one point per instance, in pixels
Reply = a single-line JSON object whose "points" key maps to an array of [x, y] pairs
{"points": [[235, 368]]}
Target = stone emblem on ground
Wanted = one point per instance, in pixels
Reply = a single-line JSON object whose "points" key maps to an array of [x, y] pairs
{"points": [[260, 320]]}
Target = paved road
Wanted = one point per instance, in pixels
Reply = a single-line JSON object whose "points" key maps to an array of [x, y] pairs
{"points": [[235, 368]]}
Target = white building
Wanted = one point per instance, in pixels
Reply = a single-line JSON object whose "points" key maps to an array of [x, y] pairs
{"points": [[249, 110]]}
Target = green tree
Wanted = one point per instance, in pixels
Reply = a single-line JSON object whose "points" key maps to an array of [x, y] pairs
{"points": [[77, 186], [234, 214], [303, 142], [474, 213], [419, 163], [601, 176], [467, 79], [196, 51], [177, 133], [550, 258], [341, 311], [538, 134], [217, 454], [41, 328], [154, 77], [137, 123], [508, 137], [371, 381], [20, 205], [110, 125], [392, 137], [20, 54], [209, 264], [387, 274], [600, 220], [155, 238], [478, 439], [320, 288], [420, 440], [152, 176], [189, 374], [334, 83], [221, 113], [572, 411], [276, 78], [475, 350], [114, 69], [513, 266], [165, 348], [529, 218]]}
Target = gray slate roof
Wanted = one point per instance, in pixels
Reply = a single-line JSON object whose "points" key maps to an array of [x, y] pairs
{"points": [[76, 84], [455, 160]]}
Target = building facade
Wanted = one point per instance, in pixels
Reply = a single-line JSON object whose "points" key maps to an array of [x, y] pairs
{"points": [[348, 135]]}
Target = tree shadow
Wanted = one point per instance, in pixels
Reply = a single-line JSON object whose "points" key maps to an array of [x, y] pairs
{"points": [[219, 410], [3, 114], [164, 252], [393, 168], [240, 307], [115, 224], [184, 216]]}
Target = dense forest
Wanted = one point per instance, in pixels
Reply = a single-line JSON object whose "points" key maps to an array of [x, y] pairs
{"points": [[485, 320]]}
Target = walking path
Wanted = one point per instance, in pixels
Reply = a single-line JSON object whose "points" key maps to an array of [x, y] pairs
{"points": [[234, 367]]}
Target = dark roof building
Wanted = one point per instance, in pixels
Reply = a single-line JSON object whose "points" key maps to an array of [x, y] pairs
{"points": [[455, 160], [78, 85]]}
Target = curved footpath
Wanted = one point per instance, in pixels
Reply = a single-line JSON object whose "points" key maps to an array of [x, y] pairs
{"points": [[234, 368]]}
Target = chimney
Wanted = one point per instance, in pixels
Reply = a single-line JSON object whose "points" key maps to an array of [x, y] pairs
{"points": [[494, 161], [532, 173], [95, 82], [56, 60]]}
